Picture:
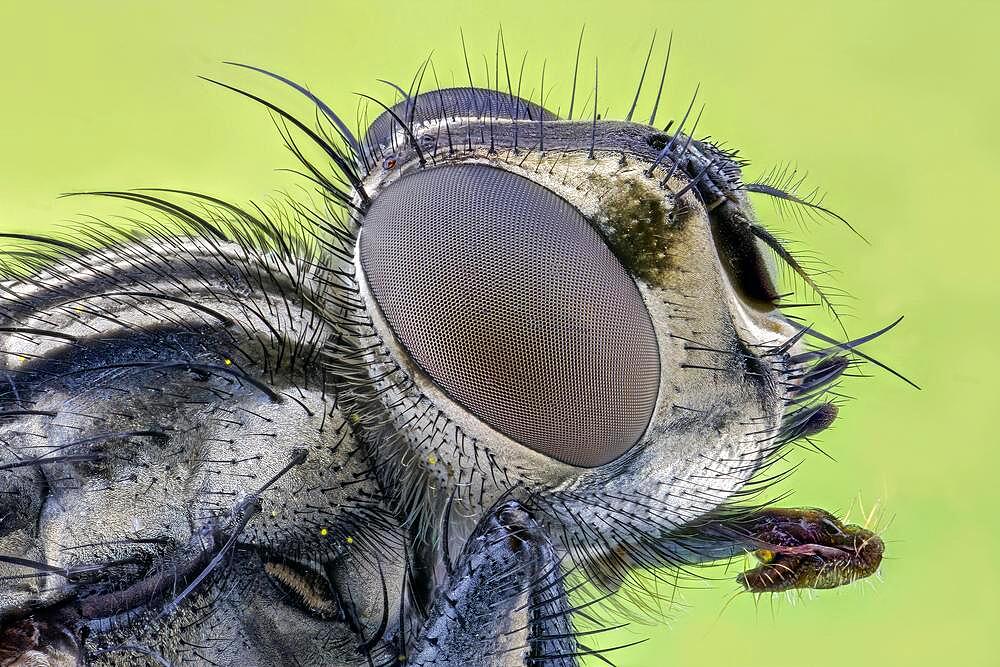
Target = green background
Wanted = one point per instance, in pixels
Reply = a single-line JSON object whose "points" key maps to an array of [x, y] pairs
{"points": [[893, 107]]}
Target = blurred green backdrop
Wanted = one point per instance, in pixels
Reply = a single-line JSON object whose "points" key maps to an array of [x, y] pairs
{"points": [[892, 106]]}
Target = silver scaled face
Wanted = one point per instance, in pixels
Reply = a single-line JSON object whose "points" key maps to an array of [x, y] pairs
{"points": [[507, 365]]}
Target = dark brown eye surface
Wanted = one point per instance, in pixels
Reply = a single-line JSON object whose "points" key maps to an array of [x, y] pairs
{"points": [[512, 303]]}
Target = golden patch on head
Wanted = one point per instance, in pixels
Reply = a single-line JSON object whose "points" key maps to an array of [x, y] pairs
{"points": [[639, 225]]}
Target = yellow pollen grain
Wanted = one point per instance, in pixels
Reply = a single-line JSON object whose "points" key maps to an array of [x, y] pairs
{"points": [[349, 540], [323, 532], [228, 362], [432, 459]]}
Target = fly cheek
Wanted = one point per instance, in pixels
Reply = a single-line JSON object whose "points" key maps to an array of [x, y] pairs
{"points": [[507, 302]]}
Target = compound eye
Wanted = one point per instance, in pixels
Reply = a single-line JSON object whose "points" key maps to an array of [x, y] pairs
{"points": [[513, 305]]}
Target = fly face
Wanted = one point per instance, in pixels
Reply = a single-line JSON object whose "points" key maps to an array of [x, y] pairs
{"points": [[577, 313]]}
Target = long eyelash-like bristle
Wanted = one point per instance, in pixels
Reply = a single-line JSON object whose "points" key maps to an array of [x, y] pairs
{"points": [[346, 167], [345, 133], [576, 71], [795, 264], [783, 183], [663, 77], [642, 78]]}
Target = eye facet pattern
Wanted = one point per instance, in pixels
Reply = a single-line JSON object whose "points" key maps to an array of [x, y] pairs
{"points": [[512, 303]]}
